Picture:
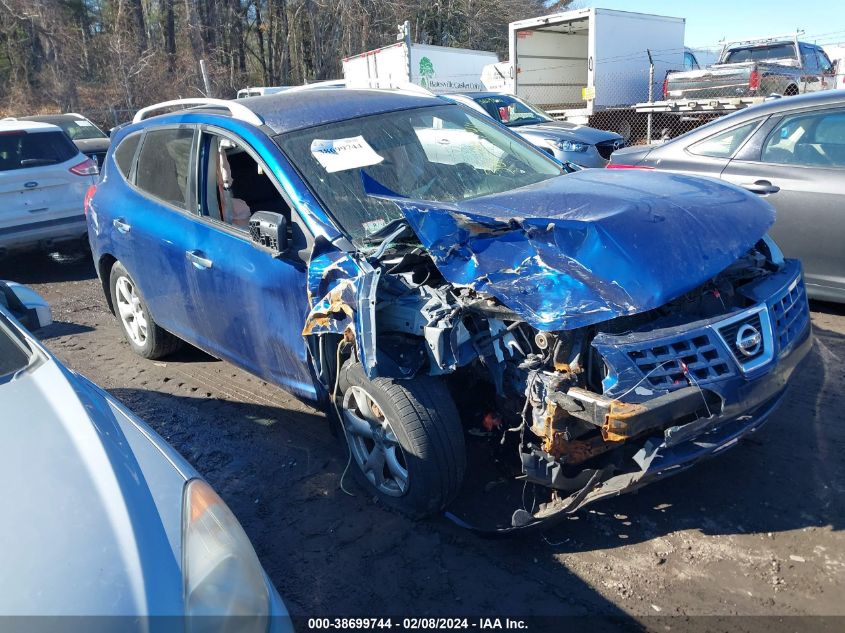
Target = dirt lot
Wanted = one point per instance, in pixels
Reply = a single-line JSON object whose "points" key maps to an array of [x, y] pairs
{"points": [[756, 532]]}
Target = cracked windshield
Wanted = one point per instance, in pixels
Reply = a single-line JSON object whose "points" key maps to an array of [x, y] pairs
{"points": [[438, 154]]}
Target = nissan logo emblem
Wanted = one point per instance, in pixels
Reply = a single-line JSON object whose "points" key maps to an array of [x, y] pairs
{"points": [[748, 340]]}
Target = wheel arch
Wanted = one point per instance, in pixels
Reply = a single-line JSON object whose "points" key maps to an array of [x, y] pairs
{"points": [[104, 266]]}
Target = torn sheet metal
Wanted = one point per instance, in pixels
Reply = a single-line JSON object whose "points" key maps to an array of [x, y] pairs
{"points": [[570, 252], [342, 296]]}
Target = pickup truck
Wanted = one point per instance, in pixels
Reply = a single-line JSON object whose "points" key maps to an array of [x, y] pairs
{"points": [[755, 68]]}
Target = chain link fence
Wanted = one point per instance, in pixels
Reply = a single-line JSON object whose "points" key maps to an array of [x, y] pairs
{"points": [[632, 104], [635, 104]]}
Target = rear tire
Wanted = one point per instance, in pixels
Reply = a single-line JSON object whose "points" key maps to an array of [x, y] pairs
{"points": [[143, 334], [405, 438]]}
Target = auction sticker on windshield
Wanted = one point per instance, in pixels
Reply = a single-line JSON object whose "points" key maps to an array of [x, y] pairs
{"points": [[342, 154]]}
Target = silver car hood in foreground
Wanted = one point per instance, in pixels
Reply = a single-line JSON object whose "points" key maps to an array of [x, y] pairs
{"points": [[91, 522]]}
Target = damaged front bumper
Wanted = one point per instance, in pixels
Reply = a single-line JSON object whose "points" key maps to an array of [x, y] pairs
{"points": [[671, 432]]}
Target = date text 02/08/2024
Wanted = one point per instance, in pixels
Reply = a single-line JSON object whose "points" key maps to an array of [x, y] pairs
{"points": [[411, 624]]}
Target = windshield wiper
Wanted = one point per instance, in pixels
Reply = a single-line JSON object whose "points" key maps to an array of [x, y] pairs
{"points": [[377, 237], [30, 162]]}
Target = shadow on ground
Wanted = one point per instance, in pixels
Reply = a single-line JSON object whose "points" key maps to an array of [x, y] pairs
{"points": [[279, 470], [279, 473], [39, 268]]}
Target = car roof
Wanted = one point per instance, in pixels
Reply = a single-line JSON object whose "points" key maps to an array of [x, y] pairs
{"points": [[64, 116], [15, 125], [298, 109], [797, 102]]}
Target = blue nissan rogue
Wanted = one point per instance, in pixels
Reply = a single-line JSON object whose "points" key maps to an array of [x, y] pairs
{"points": [[425, 274]]}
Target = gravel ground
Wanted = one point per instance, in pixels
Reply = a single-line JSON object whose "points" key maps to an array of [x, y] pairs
{"points": [[755, 532]]}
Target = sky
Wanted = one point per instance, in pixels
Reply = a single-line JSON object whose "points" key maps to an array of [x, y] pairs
{"points": [[708, 21]]}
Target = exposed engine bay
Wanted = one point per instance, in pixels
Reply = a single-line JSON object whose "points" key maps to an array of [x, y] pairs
{"points": [[580, 406]]}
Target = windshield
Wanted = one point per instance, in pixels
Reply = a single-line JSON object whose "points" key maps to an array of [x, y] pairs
{"points": [[512, 111], [441, 153], [14, 352], [77, 128]]}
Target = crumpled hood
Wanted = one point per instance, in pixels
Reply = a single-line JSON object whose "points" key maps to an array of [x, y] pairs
{"points": [[593, 245], [566, 132], [92, 522]]}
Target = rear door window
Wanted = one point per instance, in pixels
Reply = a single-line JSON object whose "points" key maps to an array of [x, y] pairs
{"points": [[724, 144], [23, 150], [164, 165], [808, 140]]}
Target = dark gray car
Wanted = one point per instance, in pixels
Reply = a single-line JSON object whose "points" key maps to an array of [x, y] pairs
{"points": [[789, 151], [567, 142], [90, 139]]}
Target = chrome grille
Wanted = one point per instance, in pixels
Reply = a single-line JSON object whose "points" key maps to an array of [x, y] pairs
{"points": [[664, 364], [606, 148], [790, 313]]}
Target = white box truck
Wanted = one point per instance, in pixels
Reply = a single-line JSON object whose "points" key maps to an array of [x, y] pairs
{"points": [[440, 69], [578, 63]]}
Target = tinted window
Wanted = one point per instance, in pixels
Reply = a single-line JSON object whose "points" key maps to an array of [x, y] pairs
{"points": [[761, 53], [125, 152], [723, 145], [825, 64], [14, 354], [163, 165], [811, 140], [34, 149], [810, 61]]}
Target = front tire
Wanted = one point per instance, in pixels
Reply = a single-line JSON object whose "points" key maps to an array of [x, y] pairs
{"points": [[405, 438], [143, 334]]}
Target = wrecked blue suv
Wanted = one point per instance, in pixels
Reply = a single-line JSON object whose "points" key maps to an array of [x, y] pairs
{"points": [[430, 277]]}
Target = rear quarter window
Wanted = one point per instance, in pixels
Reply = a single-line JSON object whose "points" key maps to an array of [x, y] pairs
{"points": [[24, 150], [124, 153], [163, 165], [724, 144], [14, 352]]}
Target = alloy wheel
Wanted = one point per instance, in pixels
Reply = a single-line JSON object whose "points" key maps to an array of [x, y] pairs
{"points": [[130, 311], [373, 443]]}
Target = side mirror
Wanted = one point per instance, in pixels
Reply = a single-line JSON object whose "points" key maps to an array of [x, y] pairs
{"points": [[270, 230], [26, 305]]}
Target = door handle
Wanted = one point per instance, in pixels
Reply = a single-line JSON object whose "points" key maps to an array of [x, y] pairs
{"points": [[761, 187], [120, 225], [198, 259]]}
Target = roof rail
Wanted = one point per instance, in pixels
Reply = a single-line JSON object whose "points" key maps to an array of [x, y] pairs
{"points": [[319, 85], [237, 110], [402, 86], [794, 35]]}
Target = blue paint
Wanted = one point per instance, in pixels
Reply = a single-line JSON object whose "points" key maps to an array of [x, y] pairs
{"points": [[593, 245]]}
